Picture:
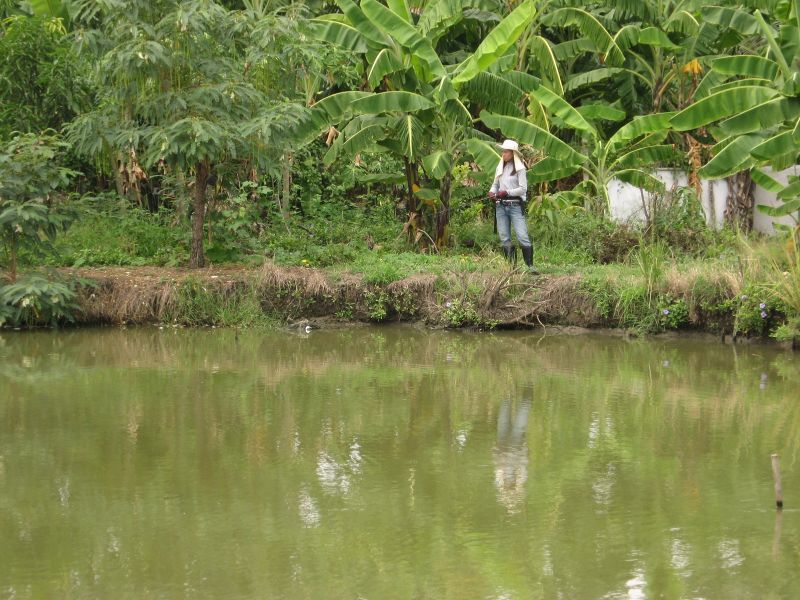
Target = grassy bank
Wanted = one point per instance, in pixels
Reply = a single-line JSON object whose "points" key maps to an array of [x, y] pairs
{"points": [[353, 267]]}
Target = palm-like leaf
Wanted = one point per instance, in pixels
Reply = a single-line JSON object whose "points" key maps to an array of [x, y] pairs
{"points": [[720, 106], [528, 133], [390, 102], [591, 28], [542, 51], [747, 66], [560, 108], [763, 116]]}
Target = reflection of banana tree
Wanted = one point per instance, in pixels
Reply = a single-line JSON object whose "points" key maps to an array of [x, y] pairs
{"points": [[756, 105], [418, 112], [628, 155]]}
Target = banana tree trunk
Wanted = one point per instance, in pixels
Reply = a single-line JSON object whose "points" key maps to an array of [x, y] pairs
{"points": [[197, 257], [412, 226], [740, 202], [443, 214]]}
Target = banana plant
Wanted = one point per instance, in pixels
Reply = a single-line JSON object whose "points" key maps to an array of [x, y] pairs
{"points": [[754, 106], [627, 155], [417, 104]]}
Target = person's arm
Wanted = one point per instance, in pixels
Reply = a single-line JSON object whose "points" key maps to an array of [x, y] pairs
{"points": [[495, 186], [522, 188]]}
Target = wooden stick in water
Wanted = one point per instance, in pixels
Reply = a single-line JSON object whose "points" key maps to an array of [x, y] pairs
{"points": [[776, 473]]}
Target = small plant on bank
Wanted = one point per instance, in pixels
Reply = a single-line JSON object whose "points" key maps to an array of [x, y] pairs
{"points": [[35, 299]]}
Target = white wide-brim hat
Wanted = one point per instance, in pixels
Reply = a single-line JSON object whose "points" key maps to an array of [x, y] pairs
{"points": [[514, 147], [509, 145]]}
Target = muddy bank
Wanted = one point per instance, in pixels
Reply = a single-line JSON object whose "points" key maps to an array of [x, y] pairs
{"points": [[241, 296]]}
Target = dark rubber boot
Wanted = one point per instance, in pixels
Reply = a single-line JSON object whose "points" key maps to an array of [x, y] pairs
{"points": [[510, 253], [527, 256]]}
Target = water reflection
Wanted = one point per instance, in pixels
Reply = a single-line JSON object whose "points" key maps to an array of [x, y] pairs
{"points": [[510, 453]]}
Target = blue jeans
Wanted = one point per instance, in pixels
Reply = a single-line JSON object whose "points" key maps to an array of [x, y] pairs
{"points": [[511, 215]]}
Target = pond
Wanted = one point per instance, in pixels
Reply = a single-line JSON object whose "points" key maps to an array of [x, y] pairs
{"points": [[394, 462]]}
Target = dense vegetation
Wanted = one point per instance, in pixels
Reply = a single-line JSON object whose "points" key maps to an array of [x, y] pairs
{"points": [[360, 137]]}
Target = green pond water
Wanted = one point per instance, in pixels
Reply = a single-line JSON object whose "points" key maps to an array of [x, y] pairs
{"points": [[394, 463]]}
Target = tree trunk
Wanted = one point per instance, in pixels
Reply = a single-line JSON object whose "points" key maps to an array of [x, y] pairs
{"points": [[443, 214], [739, 205], [287, 186], [412, 225], [197, 257]]}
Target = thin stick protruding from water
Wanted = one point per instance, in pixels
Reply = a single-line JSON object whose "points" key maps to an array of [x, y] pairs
{"points": [[776, 474]]}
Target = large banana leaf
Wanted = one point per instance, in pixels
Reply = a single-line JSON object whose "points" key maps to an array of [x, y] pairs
{"points": [[776, 147], [334, 107], [563, 110], [737, 83], [359, 20], [790, 191], [747, 66], [361, 141], [341, 34], [400, 8], [650, 155], [734, 18], [765, 181], [761, 117], [591, 77], [784, 210], [653, 36], [438, 164], [601, 112], [497, 43], [410, 134], [570, 49], [390, 102], [720, 106], [495, 93], [640, 179], [405, 33], [486, 154], [550, 169], [385, 63], [711, 80], [732, 158], [591, 28], [440, 15], [528, 133], [542, 50], [639, 126]]}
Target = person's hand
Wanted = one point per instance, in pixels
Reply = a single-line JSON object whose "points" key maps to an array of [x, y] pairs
{"points": [[502, 194], [491, 195]]}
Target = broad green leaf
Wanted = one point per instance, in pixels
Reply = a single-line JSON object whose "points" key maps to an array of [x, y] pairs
{"points": [[721, 105], [455, 112], [682, 21], [790, 191], [550, 169], [495, 93], [784, 210], [737, 83], [410, 135], [363, 139], [652, 36], [639, 126], [486, 154], [711, 80], [400, 8], [385, 63], [440, 14], [734, 18], [732, 158], [572, 48], [360, 21], [390, 102], [765, 181], [601, 112], [335, 106], [341, 34], [591, 28], [563, 110], [438, 164], [747, 66], [640, 179], [528, 133], [542, 50], [762, 117], [497, 43], [591, 77], [405, 33], [776, 146], [650, 155]]}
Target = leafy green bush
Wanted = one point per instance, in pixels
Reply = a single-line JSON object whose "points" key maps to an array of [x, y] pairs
{"points": [[35, 299]]}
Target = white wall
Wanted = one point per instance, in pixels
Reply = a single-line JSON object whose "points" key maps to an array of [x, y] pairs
{"points": [[627, 200]]}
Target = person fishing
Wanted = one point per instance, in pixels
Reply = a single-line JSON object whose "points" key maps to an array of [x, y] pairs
{"points": [[510, 192]]}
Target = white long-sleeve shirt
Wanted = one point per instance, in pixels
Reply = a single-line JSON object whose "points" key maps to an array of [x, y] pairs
{"points": [[516, 184]]}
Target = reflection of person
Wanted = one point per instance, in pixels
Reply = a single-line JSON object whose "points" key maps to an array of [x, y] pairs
{"points": [[510, 192], [511, 454]]}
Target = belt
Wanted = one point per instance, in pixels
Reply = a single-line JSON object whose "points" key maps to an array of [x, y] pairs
{"points": [[509, 200]]}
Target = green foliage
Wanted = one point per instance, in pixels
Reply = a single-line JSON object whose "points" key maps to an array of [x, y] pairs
{"points": [[43, 83], [34, 300], [196, 303], [29, 176]]}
